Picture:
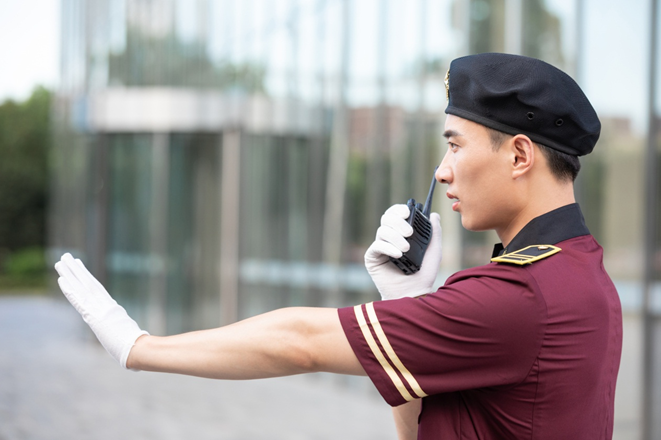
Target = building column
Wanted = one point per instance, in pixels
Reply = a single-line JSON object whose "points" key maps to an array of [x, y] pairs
{"points": [[651, 200], [513, 26], [97, 232], [230, 207], [333, 232], [158, 233]]}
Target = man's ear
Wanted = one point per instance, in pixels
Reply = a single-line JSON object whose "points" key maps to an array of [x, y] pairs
{"points": [[522, 151]]}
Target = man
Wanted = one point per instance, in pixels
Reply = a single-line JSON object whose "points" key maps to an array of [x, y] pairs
{"points": [[525, 347]]}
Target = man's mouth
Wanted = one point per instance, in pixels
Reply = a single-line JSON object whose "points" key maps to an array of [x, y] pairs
{"points": [[455, 205]]}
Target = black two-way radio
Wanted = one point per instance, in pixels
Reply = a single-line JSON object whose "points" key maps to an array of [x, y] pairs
{"points": [[410, 262]]}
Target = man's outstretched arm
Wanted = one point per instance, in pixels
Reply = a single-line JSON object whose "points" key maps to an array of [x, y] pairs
{"points": [[279, 343]]}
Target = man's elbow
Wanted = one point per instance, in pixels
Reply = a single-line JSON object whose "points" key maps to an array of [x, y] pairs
{"points": [[299, 343], [317, 343]]}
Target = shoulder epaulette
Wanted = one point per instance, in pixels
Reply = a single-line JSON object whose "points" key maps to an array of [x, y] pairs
{"points": [[527, 255]]}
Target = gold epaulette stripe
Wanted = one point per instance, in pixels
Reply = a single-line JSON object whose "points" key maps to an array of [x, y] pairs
{"points": [[528, 255], [518, 257]]}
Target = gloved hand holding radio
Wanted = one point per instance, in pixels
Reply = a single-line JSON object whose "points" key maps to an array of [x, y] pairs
{"points": [[391, 241], [116, 331]]}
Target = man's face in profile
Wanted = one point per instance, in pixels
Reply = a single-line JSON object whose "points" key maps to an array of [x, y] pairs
{"points": [[478, 177]]}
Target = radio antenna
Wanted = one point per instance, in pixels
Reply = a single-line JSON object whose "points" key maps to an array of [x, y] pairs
{"points": [[427, 208]]}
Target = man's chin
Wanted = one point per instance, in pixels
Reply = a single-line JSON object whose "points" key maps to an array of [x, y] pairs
{"points": [[473, 226]]}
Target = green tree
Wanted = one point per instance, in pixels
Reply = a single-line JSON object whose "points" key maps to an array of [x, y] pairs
{"points": [[24, 141]]}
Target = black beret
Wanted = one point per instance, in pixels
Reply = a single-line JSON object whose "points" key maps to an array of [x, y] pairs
{"points": [[522, 95]]}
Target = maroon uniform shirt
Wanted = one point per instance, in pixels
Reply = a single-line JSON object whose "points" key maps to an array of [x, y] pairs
{"points": [[504, 351]]}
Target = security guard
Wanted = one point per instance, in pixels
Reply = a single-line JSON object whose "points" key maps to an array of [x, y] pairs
{"points": [[526, 346]]}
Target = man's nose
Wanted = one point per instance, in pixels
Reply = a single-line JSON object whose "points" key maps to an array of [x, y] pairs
{"points": [[444, 172]]}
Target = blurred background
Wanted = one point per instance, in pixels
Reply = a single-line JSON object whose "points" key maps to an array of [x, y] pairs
{"points": [[214, 159]]}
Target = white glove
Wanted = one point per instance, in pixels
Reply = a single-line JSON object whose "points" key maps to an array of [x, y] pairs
{"points": [[116, 331], [390, 241]]}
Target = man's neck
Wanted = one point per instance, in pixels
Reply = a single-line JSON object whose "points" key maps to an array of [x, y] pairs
{"points": [[537, 205]]}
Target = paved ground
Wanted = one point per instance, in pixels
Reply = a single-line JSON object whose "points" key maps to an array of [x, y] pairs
{"points": [[56, 382]]}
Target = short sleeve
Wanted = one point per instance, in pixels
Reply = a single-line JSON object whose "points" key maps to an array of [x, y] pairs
{"points": [[484, 328]]}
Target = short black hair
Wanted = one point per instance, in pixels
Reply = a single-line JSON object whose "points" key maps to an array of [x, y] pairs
{"points": [[564, 167]]}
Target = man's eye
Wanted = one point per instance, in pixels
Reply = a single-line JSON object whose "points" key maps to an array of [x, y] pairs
{"points": [[453, 146]]}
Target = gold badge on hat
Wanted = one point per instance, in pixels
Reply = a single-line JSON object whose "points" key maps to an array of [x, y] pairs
{"points": [[447, 85]]}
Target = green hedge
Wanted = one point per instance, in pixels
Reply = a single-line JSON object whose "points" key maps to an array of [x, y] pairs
{"points": [[24, 269]]}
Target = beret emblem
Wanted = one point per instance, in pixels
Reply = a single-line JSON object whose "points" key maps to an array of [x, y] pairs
{"points": [[446, 81]]}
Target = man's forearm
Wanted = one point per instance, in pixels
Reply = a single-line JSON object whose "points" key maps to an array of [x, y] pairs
{"points": [[406, 419], [279, 343]]}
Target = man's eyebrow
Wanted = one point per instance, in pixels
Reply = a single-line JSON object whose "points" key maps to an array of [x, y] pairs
{"points": [[451, 133]]}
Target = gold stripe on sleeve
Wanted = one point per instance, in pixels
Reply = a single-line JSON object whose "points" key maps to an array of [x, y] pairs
{"points": [[383, 339], [364, 327]]}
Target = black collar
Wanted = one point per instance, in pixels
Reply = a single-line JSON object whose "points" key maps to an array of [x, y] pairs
{"points": [[551, 228]]}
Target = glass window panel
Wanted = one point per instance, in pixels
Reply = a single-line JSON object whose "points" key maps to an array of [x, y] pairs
{"points": [[193, 233], [618, 216], [332, 49], [546, 35], [127, 260], [611, 184], [487, 26], [363, 53], [309, 50], [442, 37]]}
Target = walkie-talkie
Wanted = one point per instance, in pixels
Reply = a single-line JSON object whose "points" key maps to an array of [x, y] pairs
{"points": [[410, 262]]}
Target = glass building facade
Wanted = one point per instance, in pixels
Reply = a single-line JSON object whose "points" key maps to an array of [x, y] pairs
{"points": [[218, 159]]}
